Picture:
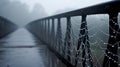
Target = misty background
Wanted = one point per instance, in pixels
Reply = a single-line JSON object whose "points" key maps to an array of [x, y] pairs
{"points": [[19, 12], [22, 12]]}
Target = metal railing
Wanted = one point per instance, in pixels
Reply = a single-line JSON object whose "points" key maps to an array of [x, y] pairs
{"points": [[6, 27], [45, 29]]}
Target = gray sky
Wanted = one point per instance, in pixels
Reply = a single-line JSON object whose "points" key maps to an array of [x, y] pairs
{"points": [[53, 5]]}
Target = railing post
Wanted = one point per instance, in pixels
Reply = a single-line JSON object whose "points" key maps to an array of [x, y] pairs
{"points": [[59, 35], [53, 33], [42, 31], [111, 55], [40, 28], [83, 42], [48, 31], [37, 28], [45, 30], [67, 43]]}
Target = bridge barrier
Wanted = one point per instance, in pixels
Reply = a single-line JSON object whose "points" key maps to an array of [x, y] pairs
{"points": [[6, 27], [58, 35]]}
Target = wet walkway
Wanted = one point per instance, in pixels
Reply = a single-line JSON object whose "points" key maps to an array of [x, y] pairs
{"points": [[22, 49]]}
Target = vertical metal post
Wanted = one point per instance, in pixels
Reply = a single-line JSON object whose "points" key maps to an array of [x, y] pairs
{"points": [[111, 56], [53, 33], [67, 43], [83, 42], [45, 31], [42, 30], [48, 32], [37, 28], [59, 35]]}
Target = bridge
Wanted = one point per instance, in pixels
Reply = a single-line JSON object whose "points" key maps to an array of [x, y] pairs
{"points": [[64, 42]]}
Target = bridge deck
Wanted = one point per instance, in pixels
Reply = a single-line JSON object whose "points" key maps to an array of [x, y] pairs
{"points": [[22, 49]]}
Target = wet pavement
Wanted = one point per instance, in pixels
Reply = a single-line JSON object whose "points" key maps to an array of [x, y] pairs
{"points": [[22, 49]]}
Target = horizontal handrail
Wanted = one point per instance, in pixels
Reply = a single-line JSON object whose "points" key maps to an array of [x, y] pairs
{"points": [[104, 8]]}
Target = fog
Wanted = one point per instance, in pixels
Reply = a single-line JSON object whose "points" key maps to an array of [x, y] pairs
{"points": [[19, 12], [52, 6], [22, 12]]}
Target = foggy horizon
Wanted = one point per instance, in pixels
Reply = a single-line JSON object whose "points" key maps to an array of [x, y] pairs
{"points": [[56, 5], [22, 12]]}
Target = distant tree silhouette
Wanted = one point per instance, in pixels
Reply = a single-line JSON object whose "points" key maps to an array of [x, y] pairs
{"points": [[19, 12]]}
